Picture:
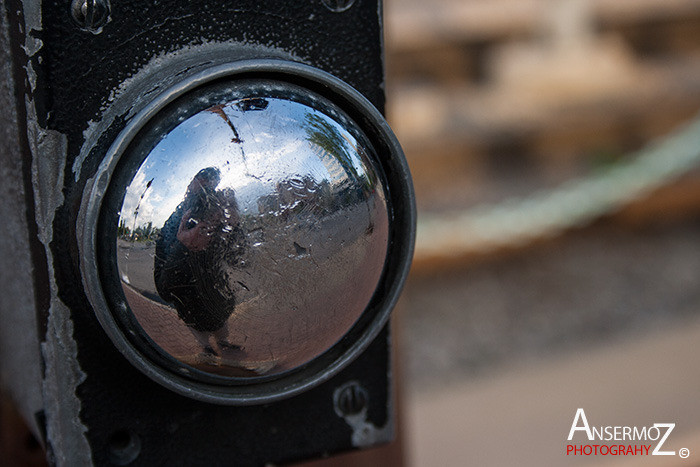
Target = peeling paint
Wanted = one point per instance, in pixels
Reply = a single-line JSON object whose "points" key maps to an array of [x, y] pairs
{"points": [[32, 15], [48, 163], [63, 375], [65, 431], [365, 433], [32, 44]]}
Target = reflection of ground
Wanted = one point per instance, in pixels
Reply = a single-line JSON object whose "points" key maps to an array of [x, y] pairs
{"points": [[163, 325], [304, 286], [135, 260], [298, 290]]}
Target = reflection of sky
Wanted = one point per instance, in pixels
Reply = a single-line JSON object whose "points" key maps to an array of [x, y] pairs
{"points": [[276, 145]]}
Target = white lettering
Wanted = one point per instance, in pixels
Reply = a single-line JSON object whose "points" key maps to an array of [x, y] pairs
{"points": [[658, 433], [640, 434], [656, 451], [626, 432], [580, 414], [608, 434], [597, 432]]}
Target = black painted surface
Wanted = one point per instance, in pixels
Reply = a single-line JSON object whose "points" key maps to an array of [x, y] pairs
{"points": [[77, 72], [80, 66], [175, 430]]}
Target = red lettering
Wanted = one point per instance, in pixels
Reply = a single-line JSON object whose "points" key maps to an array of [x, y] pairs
{"points": [[605, 450]]}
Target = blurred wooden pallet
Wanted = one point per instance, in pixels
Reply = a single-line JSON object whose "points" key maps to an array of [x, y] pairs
{"points": [[490, 98], [461, 142], [414, 26]]}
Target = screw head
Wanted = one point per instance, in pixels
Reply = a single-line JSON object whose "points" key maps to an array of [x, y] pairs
{"points": [[350, 399], [91, 15], [338, 6]]}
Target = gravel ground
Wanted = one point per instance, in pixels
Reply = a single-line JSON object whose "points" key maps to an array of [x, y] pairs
{"points": [[587, 288]]}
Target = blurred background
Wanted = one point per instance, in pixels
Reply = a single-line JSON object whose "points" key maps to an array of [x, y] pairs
{"points": [[557, 170]]}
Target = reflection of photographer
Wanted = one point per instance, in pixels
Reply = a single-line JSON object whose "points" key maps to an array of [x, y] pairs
{"points": [[197, 247]]}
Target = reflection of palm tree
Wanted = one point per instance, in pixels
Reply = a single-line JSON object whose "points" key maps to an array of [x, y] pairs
{"points": [[327, 136]]}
